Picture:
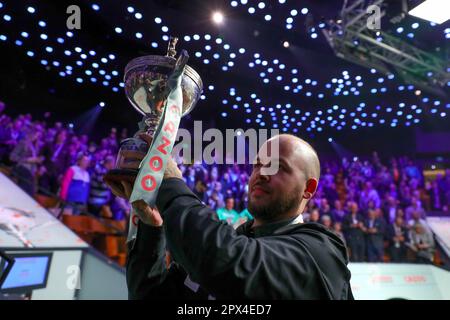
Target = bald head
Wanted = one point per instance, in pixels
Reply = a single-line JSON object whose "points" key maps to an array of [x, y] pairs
{"points": [[284, 178], [303, 152]]}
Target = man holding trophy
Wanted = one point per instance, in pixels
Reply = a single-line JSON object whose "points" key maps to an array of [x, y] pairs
{"points": [[274, 256]]}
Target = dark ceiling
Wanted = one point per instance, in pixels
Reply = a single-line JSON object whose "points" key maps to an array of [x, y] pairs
{"points": [[250, 78]]}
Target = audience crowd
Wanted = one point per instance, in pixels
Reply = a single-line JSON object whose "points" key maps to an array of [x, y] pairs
{"points": [[377, 207]]}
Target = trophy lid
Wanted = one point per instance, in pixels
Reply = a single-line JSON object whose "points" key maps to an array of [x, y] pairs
{"points": [[146, 77]]}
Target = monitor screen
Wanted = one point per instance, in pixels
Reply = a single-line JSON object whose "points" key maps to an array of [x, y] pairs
{"points": [[29, 272], [6, 263]]}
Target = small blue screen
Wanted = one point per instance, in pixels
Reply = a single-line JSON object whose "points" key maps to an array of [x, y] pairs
{"points": [[26, 271]]}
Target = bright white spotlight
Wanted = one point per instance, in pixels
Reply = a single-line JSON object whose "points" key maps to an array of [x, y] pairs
{"points": [[286, 44], [217, 17], [102, 104], [437, 11]]}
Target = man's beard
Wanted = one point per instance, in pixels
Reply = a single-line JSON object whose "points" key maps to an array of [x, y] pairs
{"points": [[276, 208]]}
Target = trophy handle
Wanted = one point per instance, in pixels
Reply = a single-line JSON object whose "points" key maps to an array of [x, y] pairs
{"points": [[151, 121], [171, 52]]}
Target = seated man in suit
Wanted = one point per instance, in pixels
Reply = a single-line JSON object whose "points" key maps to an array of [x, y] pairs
{"points": [[397, 234], [374, 228], [353, 228], [421, 243]]}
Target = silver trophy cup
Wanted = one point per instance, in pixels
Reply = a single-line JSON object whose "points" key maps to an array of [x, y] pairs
{"points": [[146, 88]]}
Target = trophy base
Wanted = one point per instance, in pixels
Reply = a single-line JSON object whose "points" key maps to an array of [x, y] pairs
{"points": [[113, 178]]}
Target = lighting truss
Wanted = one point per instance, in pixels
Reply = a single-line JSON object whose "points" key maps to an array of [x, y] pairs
{"points": [[352, 40]]}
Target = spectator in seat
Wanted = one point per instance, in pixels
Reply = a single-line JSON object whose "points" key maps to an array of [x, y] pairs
{"points": [[332, 192], [226, 181], [324, 207], [412, 171], [17, 130], [75, 185], [112, 140], [390, 209], [395, 172], [435, 194], [353, 227], [99, 193], [393, 191], [398, 238], [56, 161], [338, 213], [370, 206], [417, 218], [27, 158], [422, 244], [369, 194], [326, 221], [200, 189], [7, 143], [384, 179], [400, 213], [228, 213], [337, 228], [190, 178], [214, 196], [314, 216], [120, 208], [416, 206], [374, 229], [445, 188], [328, 176]]}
